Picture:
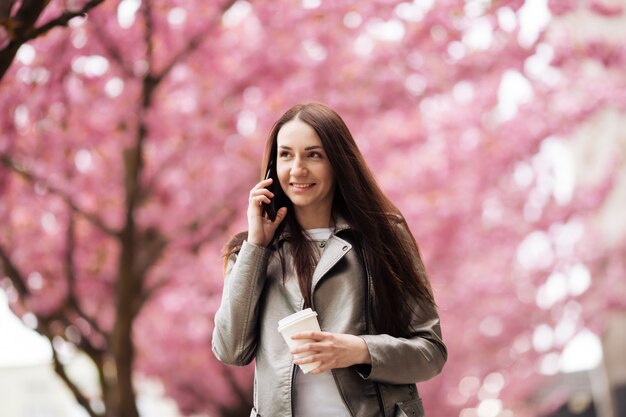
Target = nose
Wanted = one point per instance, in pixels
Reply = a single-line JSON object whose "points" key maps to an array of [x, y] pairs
{"points": [[299, 167]]}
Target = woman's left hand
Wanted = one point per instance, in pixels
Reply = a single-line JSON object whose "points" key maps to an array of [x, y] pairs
{"points": [[333, 350]]}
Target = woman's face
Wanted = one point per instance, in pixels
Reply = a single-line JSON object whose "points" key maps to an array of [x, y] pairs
{"points": [[303, 169]]}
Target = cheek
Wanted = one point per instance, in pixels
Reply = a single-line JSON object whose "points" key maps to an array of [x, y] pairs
{"points": [[282, 172]]}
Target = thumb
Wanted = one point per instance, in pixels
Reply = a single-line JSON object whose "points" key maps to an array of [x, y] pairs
{"points": [[280, 215]]}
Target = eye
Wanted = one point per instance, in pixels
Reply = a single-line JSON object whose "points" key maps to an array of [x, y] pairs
{"points": [[315, 155], [283, 154]]}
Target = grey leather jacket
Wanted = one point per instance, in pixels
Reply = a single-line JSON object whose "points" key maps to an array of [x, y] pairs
{"points": [[256, 297]]}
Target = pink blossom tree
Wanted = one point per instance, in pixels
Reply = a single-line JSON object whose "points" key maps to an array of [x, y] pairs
{"points": [[22, 21], [130, 139]]}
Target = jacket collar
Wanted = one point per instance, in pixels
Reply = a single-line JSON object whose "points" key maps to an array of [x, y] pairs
{"points": [[341, 224]]}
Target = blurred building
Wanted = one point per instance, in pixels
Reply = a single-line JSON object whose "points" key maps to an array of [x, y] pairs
{"points": [[598, 392], [595, 146], [34, 391], [29, 386], [614, 350]]}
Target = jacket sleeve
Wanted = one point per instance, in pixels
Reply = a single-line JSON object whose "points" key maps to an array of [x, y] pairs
{"points": [[236, 321], [421, 356], [397, 360]]}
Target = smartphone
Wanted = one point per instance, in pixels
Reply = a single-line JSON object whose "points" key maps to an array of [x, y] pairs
{"points": [[278, 201]]}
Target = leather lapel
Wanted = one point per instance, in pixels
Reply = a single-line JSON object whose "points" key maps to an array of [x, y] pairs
{"points": [[335, 249]]}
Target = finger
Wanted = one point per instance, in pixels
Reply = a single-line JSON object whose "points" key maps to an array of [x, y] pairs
{"points": [[280, 215], [312, 358], [260, 199], [263, 184], [314, 346], [261, 191], [322, 367], [307, 347], [310, 334]]}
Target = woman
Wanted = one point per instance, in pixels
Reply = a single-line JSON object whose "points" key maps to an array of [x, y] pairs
{"points": [[340, 247]]}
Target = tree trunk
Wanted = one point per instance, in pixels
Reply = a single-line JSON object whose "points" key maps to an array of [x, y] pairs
{"points": [[129, 287], [121, 401]]}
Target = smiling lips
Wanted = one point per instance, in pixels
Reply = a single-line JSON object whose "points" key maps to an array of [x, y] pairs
{"points": [[301, 186]]}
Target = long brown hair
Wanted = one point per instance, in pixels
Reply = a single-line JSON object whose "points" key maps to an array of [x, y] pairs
{"points": [[391, 253]]}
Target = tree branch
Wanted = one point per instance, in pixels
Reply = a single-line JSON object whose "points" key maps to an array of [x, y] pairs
{"points": [[151, 247], [80, 397], [146, 11], [194, 43], [147, 295], [17, 279], [5, 8], [227, 216], [72, 299], [112, 50], [130, 279], [62, 19], [194, 245], [21, 28], [25, 18], [93, 219], [27, 14]]}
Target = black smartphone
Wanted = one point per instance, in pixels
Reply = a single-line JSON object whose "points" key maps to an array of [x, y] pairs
{"points": [[278, 201]]}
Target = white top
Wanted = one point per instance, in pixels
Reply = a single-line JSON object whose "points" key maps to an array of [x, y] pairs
{"points": [[319, 234], [317, 395]]}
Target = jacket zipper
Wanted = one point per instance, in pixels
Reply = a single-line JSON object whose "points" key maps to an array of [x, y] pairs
{"points": [[341, 394], [293, 375], [379, 396], [293, 367]]}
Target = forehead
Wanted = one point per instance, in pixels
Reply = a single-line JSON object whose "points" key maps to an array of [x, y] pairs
{"points": [[296, 133]]}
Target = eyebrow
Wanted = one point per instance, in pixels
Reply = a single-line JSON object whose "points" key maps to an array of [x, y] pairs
{"points": [[308, 148]]}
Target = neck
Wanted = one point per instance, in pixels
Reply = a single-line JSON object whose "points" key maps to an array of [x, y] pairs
{"points": [[310, 218]]}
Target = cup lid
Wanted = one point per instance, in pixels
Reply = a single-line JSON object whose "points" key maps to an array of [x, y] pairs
{"points": [[300, 315]]}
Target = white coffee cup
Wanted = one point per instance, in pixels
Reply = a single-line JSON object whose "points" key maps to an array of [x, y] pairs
{"points": [[302, 321]]}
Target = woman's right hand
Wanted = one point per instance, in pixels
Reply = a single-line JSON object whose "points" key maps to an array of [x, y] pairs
{"points": [[260, 229]]}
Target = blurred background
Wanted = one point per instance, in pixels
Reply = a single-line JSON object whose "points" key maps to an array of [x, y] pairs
{"points": [[131, 132]]}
